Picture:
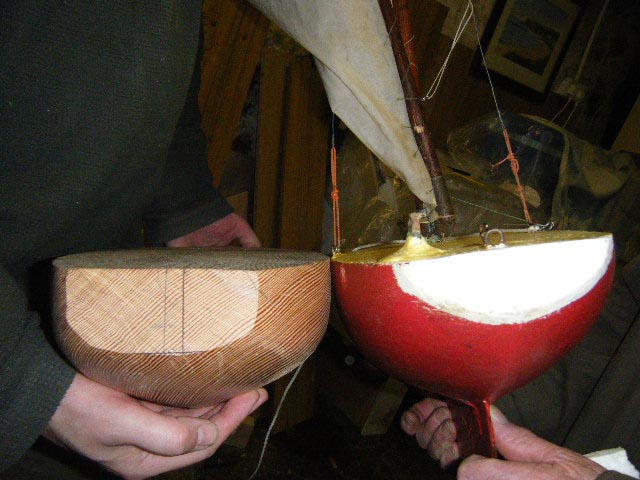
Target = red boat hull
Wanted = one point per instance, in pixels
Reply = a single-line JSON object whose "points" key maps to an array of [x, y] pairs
{"points": [[430, 348]]}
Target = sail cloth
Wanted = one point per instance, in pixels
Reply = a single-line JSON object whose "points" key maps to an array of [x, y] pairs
{"points": [[349, 41]]}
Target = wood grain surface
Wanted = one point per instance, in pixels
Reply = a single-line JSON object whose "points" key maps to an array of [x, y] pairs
{"points": [[190, 327]]}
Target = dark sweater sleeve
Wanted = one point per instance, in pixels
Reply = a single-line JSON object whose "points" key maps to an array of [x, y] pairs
{"points": [[611, 475], [187, 200], [29, 366]]}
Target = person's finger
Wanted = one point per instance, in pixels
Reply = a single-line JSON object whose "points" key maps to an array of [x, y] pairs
{"points": [[413, 418], [202, 412], [426, 431], [162, 434], [439, 416], [476, 467], [171, 436], [425, 435], [519, 444], [449, 455], [248, 238], [226, 421], [236, 410], [442, 441], [178, 412]]}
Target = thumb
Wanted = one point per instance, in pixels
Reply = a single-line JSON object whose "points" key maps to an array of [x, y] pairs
{"points": [[167, 435], [517, 443], [248, 239], [244, 233]]}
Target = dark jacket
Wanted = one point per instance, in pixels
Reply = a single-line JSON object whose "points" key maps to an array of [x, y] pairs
{"points": [[590, 401], [91, 95]]}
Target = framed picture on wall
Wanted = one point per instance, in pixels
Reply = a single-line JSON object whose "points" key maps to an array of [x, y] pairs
{"points": [[528, 40]]}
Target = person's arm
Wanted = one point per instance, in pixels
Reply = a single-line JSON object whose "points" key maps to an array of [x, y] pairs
{"points": [[188, 201], [29, 366]]}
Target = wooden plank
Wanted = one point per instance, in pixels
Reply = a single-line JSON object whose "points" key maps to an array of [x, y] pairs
{"points": [[234, 33], [273, 77], [305, 152]]}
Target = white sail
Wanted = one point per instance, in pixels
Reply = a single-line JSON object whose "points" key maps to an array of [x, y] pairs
{"points": [[353, 54]]}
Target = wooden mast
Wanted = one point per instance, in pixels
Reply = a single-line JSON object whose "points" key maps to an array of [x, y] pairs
{"points": [[395, 13]]}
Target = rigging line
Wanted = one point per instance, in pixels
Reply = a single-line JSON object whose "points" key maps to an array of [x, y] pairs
{"points": [[489, 209], [275, 417], [573, 110], [335, 193], [464, 21], [515, 167], [587, 50], [484, 64], [561, 110], [333, 130]]}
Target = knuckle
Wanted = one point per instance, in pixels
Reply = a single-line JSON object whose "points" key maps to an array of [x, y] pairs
{"points": [[181, 440], [446, 431], [442, 413], [423, 438]]}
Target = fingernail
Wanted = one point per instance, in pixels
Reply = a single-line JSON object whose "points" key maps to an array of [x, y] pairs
{"points": [[449, 455], [497, 416], [208, 434], [450, 427], [259, 401], [410, 419]]}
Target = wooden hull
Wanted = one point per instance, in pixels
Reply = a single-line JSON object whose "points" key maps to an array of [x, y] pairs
{"points": [[480, 349], [161, 326]]}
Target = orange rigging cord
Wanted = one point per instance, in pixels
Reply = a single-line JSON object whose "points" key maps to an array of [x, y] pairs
{"points": [[335, 193], [335, 197], [515, 168]]}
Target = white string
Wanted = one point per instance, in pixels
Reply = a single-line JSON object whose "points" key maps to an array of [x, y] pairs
{"points": [[275, 417], [583, 60], [486, 68], [562, 109], [489, 209], [464, 21], [578, 75], [573, 110]]}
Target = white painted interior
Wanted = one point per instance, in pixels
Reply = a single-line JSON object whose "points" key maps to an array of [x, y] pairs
{"points": [[509, 285]]}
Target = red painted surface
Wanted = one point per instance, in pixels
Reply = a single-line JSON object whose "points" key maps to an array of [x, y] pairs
{"points": [[443, 353]]}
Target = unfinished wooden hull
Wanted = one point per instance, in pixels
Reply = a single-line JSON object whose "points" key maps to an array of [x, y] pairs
{"points": [[190, 327], [475, 323]]}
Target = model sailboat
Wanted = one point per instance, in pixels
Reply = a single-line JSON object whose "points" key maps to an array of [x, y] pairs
{"points": [[471, 318]]}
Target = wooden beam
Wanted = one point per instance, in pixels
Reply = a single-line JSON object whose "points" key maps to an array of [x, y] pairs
{"points": [[234, 34], [305, 154], [305, 150], [273, 79]]}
